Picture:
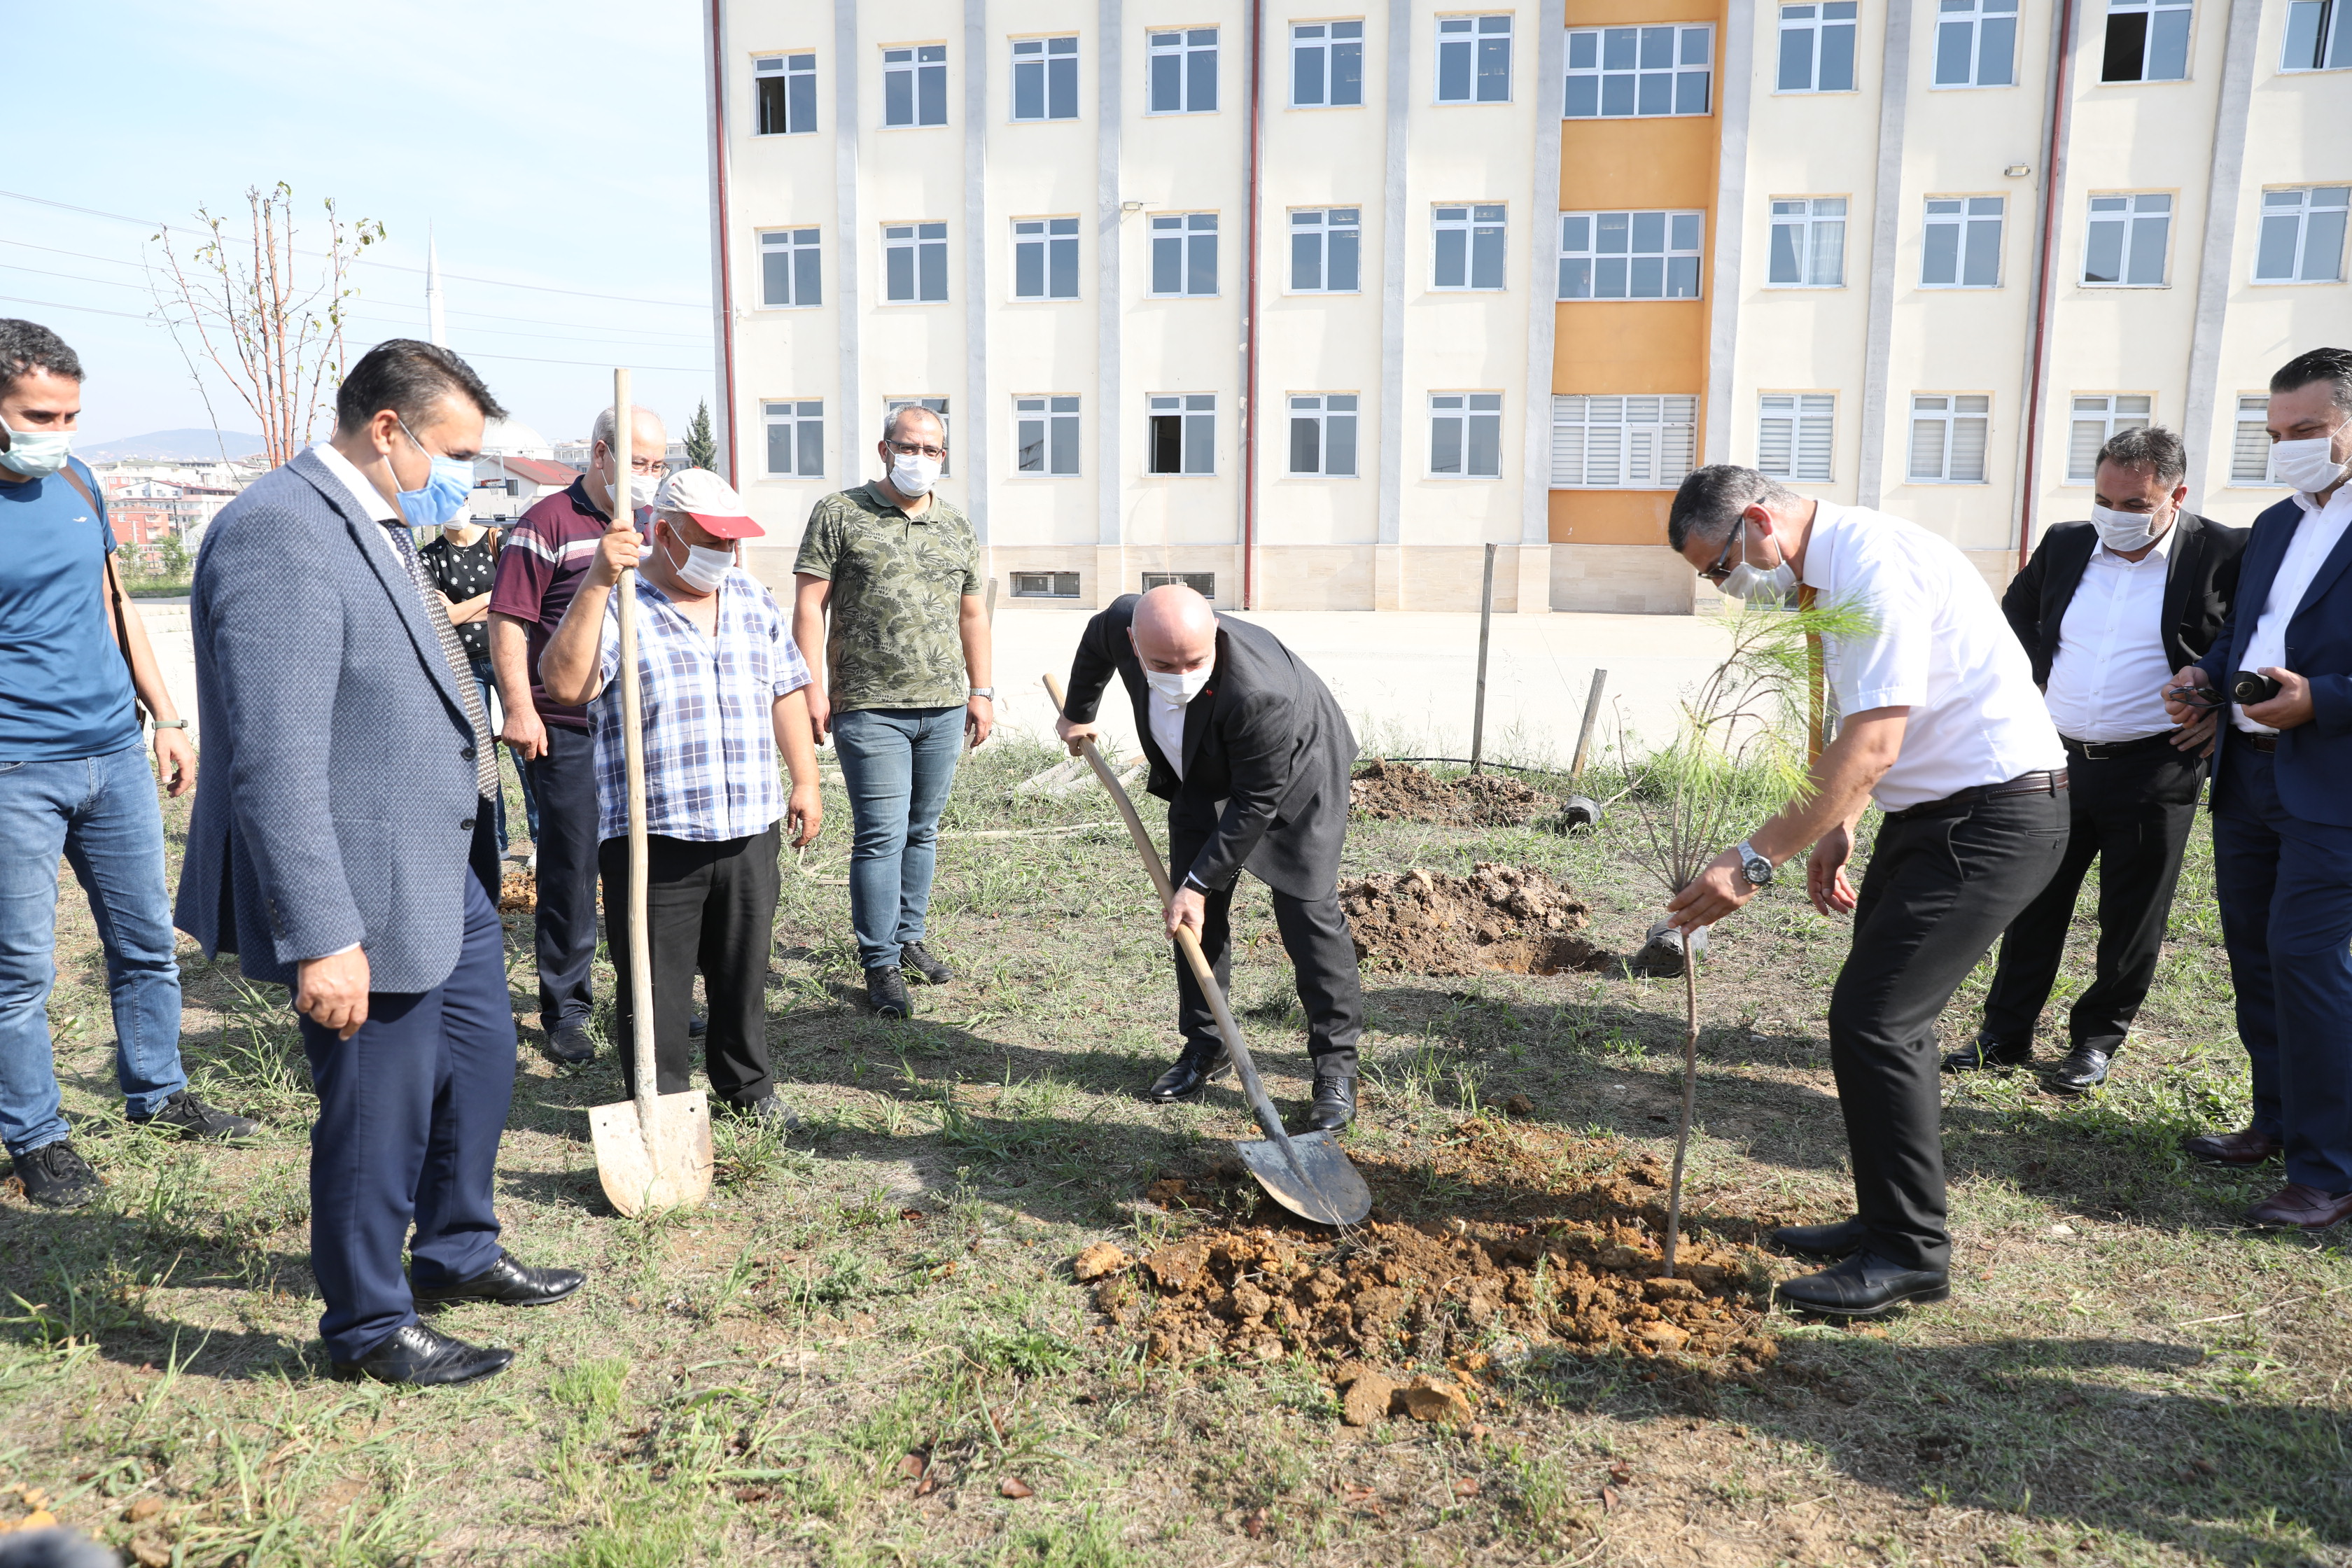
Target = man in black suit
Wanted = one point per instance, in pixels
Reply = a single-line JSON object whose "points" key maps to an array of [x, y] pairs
{"points": [[1252, 754], [2107, 609]]}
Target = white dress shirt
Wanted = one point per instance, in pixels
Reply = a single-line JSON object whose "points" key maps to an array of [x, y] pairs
{"points": [[1168, 727], [2107, 680], [2314, 539], [1941, 647]]}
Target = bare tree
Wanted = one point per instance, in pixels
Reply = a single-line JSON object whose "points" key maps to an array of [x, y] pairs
{"points": [[266, 315]]}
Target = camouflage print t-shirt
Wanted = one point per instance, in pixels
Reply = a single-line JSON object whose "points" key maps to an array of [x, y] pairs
{"points": [[899, 583]]}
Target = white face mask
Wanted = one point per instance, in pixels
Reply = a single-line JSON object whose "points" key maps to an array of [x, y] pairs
{"points": [[2307, 465], [36, 453], [1178, 686], [1758, 585], [2126, 530], [912, 476], [702, 570]]}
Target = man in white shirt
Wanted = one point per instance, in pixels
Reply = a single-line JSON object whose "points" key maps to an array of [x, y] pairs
{"points": [[1942, 727], [2107, 609], [2282, 813]]}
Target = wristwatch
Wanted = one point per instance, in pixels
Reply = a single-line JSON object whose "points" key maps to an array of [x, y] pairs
{"points": [[171, 724], [987, 691], [1754, 867]]}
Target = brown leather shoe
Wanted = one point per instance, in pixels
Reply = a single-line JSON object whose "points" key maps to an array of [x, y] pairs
{"points": [[2247, 1148], [2303, 1207]]}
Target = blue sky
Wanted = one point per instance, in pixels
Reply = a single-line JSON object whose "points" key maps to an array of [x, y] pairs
{"points": [[561, 146]]}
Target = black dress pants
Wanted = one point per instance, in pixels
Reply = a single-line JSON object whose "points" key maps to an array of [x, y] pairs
{"points": [[710, 905], [1940, 890], [2133, 815], [564, 779], [1322, 959]]}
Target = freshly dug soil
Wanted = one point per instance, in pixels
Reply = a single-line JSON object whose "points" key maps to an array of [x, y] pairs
{"points": [[518, 890], [1387, 792], [1499, 917]]}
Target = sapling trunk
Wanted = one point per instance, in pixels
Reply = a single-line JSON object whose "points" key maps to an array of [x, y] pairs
{"points": [[1690, 1094]]}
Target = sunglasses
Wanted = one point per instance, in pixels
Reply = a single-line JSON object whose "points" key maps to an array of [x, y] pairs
{"points": [[1722, 567]]}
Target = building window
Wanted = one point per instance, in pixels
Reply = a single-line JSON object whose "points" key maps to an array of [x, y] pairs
{"points": [[1045, 435], [1817, 46], [1474, 59], [915, 85], [1045, 585], [2148, 40], [1327, 65], [1202, 583], [785, 86], [2250, 452], [1185, 71], [938, 405], [1948, 435], [915, 262], [790, 268], [1976, 44], [1465, 435], [1046, 259], [1808, 243], [1323, 434], [1622, 443], [1324, 246], [795, 439], [2126, 240], [2319, 38], [1622, 73], [1793, 435], [1184, 434], [2098, 416], [1469, 248], [1045, 78], [1628, 256], [2303, 236], [1185, 253], [1961, 247]]}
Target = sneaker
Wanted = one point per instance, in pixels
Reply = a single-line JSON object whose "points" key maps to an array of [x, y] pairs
{"points": [[56, 1177], [886, 989], [572, 1044], [919, 964], [191, 1118]]}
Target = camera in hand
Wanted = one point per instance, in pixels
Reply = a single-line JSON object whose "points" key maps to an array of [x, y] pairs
{"points": [[2249, 687]]}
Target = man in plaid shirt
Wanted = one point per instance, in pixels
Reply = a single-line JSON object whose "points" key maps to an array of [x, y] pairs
{"points": [[723, 688]]}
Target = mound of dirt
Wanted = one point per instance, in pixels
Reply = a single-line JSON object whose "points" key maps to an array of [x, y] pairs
{"points": [[1499, 917], [1390, 792], [518, 891]]}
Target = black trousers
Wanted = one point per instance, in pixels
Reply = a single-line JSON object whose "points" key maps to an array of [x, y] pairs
{"points": [[564, 780], [1322, 960], [712, 907], [2133, 815], [1940, 890]]}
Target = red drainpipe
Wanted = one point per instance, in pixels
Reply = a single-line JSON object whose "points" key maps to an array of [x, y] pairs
{"points": [[1249, 325], [722, 239], [2052, 167]]}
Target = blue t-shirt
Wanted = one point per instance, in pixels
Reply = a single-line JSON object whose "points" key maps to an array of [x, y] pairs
{"points": [[65, 691]]}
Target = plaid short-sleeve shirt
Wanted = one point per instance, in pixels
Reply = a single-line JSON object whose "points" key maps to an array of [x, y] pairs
{"points": [[710, 742]]}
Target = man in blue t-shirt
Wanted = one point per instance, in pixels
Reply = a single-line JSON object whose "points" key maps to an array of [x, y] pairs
{"points": [[72, 780]]}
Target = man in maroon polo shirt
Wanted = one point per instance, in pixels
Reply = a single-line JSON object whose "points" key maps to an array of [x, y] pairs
{"points": [[547, 557]]}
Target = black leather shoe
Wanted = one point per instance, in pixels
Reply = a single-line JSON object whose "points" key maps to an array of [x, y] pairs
{"points": [[189, 1117], [1191, 1075], [415, 1353], [697, 1026], [507, 1282], [2084, 1068], [1334, 1106], [2250, 1147], [1822, 1243], [887, 990], [1984, 1054], [1864, 1285], [55, 1177], [921, 963], [572, 1044]]}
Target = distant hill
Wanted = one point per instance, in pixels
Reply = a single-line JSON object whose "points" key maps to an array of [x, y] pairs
{"points": [[173, 446]]}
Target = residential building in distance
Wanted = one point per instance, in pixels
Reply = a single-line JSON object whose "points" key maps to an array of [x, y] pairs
{"points": [[1309, 309]]}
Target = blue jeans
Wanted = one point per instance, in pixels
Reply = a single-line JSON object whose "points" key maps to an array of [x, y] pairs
{"points": [[898, 764], [102, 814]]}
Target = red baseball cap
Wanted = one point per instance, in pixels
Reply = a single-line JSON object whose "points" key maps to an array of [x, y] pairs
{"points": [[710, 501]]}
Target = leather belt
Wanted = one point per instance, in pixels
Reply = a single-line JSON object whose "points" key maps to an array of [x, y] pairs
{"points": [[2100, 750], [2266, 745], [2023, 784]]}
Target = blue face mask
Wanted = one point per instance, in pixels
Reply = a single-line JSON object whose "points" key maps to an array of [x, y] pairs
{"points": [[446, 489]]}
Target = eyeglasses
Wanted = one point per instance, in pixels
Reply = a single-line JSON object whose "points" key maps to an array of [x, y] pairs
{"points": [[1722, 567], [915, 449], [649, 465]]}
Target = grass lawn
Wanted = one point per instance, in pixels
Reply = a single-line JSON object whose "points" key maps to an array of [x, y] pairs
{"points": [[2123, 1375]]}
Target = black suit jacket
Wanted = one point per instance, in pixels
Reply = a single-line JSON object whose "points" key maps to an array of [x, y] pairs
{"points": [[2198, 585], [1267, 754]]}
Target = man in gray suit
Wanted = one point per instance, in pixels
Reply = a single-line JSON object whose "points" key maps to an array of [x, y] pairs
{"points": [[343, 846]]}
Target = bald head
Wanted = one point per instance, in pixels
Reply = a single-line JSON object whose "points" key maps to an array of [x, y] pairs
{"points": [[1174, 629]]}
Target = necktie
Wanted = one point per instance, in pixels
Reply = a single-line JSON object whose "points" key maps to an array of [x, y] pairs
{"points": [[485, 760], [1814, 679]]}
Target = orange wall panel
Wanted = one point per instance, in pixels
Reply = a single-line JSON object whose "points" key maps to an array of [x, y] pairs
{"points": [[1637, 163], [1608, 517], [1626, 345]]}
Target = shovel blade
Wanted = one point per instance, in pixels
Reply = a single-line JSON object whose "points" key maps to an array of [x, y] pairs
{"points": [[1333, 1191], [671, 1169]]}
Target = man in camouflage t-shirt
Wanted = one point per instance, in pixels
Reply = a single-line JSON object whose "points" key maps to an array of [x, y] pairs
{"points": [[895, 571]]}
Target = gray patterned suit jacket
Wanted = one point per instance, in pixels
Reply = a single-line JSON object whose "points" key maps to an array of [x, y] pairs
{"points": [[337, 799]]}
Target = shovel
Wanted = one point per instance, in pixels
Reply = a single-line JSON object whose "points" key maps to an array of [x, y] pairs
{"points": [[1308, 1174], [1581, 811], [652, 1151]]}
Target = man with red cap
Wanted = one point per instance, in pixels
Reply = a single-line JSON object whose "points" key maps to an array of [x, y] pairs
{"points": [[723, 686]]}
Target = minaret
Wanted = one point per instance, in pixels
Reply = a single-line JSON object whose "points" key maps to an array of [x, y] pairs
{"points": [[436, 330]]}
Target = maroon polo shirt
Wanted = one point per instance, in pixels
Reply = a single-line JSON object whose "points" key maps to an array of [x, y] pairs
{"points": [[547, 557]]}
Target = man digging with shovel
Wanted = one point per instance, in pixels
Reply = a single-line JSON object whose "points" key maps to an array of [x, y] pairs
{"points": [[1252, 754]]}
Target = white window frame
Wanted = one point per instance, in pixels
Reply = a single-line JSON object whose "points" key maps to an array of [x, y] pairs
{"points": [[1048, 236], [1186, 234], [921, 65], [2306, 206], [1465, 37], [1808, 446], [1181, 45], [1809, 222], [2159, 15], [1324, 39], [1959, 427], [2249, 446], [2092, 420], [1321, 232], [1054, 417], [1968, 22], [2130, 217], [1967, 219], [794, 413], [1326, 411], [793, 244], [1196, 414], [2325, 44], [1624, 441], [1595, 257], [1465, 412], [1039, 56], [1480, 221], [1680, 72], [792, 68], [915, 239], [1815, 20]]}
